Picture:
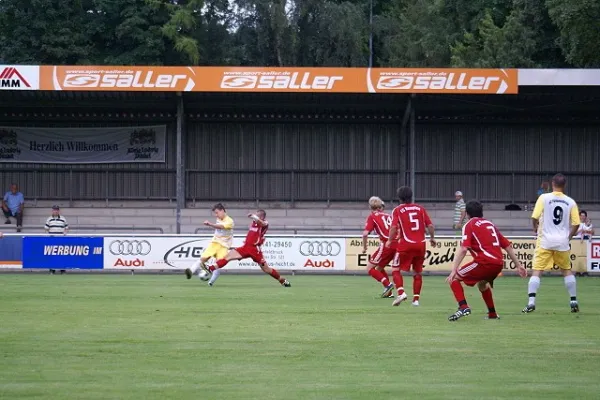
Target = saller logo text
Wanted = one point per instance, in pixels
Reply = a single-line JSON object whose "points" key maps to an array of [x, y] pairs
{"points": [[282, 82], [139, 79], [449, 82]]}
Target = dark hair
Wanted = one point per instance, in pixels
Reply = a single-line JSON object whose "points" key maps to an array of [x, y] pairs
{"points": [[263, 212], [583, 212], [405, 194], [218, 206], [474, 209], [559, 180]]}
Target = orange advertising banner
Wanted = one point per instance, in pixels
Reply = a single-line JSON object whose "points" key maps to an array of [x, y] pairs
{"points": [[107, 78], [254, 79]]}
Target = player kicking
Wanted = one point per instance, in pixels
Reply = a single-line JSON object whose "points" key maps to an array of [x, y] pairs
{"points": [[379, 222], [482, 239], [556, 221], [409, 223], [220, 243], [252, 249]]}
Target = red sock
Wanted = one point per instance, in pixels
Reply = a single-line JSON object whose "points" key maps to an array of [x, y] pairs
{"points": [[377, 275], [489, 302], [221, 263], [386, 277], [276, 275], [459, 294], [417, 285], [398, 281]]}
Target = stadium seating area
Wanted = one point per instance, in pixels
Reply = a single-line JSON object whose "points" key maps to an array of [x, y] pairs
{"points": [[306, 218]]}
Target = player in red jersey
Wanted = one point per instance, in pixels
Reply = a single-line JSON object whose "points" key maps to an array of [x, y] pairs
{"points": [[252, 248], [379, 222], [410, 222], [485, 243]]}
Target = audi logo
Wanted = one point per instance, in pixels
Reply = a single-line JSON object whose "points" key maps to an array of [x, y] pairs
{"points": [[130, 247], [320, 248]]}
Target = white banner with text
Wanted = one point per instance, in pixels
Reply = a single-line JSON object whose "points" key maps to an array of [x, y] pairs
{"points": [[282, 253], [131, 144]]}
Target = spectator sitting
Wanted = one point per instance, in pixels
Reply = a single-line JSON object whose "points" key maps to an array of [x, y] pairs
{"points": [[586, 229], [56, 224], [544, 188], [12, 205]]}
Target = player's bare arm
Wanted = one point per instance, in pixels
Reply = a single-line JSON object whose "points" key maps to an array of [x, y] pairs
{"points": [[257, 219], [365, 239], [393, 234], [431, 231], [536, 223], [460, 256], [215, 226], [574, 229], [513, 257]]}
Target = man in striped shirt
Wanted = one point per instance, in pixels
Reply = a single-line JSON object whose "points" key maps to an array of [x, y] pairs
{"points": [[56, 224], [460, 214]]}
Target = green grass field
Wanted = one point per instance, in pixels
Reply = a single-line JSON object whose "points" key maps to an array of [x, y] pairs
{"points": [[327, 337]]}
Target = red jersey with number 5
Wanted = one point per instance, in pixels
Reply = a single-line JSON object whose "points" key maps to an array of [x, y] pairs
{"points": [[484, 241], [256, 234], [379, 222], [411, 220]]}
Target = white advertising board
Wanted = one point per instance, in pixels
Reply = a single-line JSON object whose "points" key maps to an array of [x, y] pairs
{"points": [[282, 253]]}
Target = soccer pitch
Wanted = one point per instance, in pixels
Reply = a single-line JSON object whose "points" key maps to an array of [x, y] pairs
{"points": [[326, 337]]}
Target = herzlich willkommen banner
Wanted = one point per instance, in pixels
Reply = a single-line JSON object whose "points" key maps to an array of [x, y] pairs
{"points": [[131, 144]]}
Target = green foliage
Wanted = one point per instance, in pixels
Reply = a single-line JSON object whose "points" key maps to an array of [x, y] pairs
{"points": [[406, 33]]}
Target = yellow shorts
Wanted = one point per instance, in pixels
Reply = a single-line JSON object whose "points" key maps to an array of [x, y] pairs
{"points": [[544, 260], [215, 250]]}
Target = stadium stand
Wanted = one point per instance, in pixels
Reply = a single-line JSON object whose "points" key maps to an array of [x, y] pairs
{"points": [[338, 218]]}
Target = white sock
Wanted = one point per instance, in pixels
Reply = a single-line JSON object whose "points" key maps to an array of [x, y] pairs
{"points": [[196, 266], [214, 276], [571, 285], [534, 285]]}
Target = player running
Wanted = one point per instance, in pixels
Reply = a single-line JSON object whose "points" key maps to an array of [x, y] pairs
{"points": [[379, 222], [556, 221], [220, 243], [484, 241], [409, 223], [251, 249]]}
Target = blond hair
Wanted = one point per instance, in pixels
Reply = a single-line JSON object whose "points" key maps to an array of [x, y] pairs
{"points": [[376, 203]]}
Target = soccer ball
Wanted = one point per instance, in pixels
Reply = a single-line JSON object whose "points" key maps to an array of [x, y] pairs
{"points": [[203, 275]]}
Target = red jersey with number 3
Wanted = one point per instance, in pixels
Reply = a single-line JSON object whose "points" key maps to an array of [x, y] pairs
{"points": [[379, 222], [412, 221], [484, 241], [256, 234]]}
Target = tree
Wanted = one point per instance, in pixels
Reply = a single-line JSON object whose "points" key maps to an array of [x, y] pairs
{"points": [[184, 17], [38, 31], [492, 46], [331, 34], [579, 24]]}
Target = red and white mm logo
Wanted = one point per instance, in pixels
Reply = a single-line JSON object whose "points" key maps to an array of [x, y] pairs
{"points": [[594, 257], [18, 77]]}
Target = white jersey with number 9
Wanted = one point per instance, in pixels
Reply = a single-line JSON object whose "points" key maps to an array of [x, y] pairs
{"points": [[557, 213]]}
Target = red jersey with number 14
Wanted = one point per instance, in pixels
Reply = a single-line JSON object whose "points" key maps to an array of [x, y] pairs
{"points": [[484, 241], [411, 220], [379, 222], [256, 234]]}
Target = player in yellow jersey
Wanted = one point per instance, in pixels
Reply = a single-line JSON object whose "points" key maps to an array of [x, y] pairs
{"points": [[220, 243], [556, 221]]}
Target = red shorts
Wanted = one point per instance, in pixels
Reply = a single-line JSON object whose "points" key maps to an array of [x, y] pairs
{"points": [[408, 257], [473, 273], [253, 252], [383, 256]]}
